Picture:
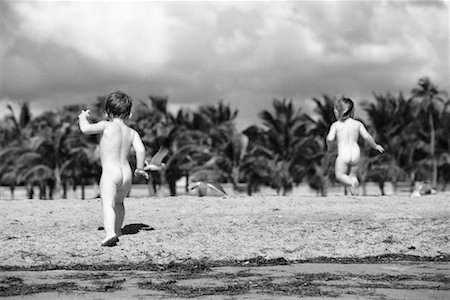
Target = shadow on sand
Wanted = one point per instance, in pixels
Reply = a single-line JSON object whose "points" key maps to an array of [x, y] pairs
{"points": [[132, 228], [135, 228]]}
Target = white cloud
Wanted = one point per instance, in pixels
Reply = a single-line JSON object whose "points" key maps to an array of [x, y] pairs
{"points": [[131, 37], [245, 53], [232, 45]]}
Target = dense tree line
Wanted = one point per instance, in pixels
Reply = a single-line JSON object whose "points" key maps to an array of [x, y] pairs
{"points": [[286, 149]]}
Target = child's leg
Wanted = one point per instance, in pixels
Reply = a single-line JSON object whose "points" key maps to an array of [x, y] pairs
{"points": [[354, 190], [120, 214], [120, 207], [353, 173], [108, 193], [341, 169]]}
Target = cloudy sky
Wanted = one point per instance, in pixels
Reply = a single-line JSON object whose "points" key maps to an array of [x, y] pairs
{"points": [[244, 53]]}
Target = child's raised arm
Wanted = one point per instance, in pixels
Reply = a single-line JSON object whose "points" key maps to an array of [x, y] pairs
{"points": [[331, 137], [365, 134], [86, 127]]}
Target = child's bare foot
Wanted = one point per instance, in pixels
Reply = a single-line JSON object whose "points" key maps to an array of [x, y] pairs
{"points": [[110, 242], [354, 188]]}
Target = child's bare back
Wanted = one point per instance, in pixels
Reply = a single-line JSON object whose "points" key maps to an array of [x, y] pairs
{"points": [[347, 133], [115, 145]]}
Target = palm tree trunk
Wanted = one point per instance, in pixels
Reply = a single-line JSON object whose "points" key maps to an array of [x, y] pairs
{"points": [[82, 189], [42, 191], [30, 191], [432, 149], [381, 186], [64, 189], [413, 181], [249, 188], [12, 187], [58, 183], [235, 178], [325, 182], [172, 187], [187, 183], [51, 189], [172, 182], [151, 186], [323, 190]]}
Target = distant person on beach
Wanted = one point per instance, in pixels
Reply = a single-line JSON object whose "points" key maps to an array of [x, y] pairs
{"points": [[347, 131], [115, 143]]}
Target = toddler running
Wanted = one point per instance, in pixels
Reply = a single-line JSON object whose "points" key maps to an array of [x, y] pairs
{"points": [[115, 143], [347, 131]]}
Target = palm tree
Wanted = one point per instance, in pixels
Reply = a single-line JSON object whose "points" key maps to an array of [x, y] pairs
{"points": [[83, 165], [232, 154], [97, 109], [218, 114], [156, 127], [155, 121], [54, 132], [19, 124], [7, 133], [443, 144], [430, 97], [8, 172], [257, 168], [185, 161], [58, 130], [204, 142], [6, 176], [320, 164], [278, 145], [27, 165], [390, 117], [227, 144], [187, 148], [16, 133]]}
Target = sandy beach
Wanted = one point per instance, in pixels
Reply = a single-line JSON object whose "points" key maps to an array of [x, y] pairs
{"points": [[161, 230], [234, 247]]}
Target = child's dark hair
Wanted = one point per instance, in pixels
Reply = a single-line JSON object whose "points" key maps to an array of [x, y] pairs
{"points": [[118, 104], [345, 108]]}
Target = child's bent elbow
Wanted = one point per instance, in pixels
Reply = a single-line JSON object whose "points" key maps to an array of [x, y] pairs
{"points": [[82, 129], [86, 131]]}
